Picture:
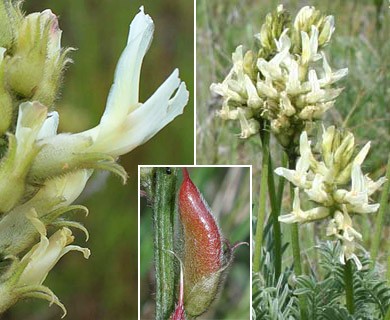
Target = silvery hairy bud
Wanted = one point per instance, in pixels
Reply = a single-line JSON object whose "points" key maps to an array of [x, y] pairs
{"points": [[34, 71]]}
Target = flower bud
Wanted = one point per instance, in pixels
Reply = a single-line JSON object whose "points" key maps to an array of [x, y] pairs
{"points": [[326, 31], [10, 18], [307, 18], [249, 127], [35, 69], [44, 256], [275, 23], [249, 64], [28, 274], [344, 152], [21, 152], [254, 101]]}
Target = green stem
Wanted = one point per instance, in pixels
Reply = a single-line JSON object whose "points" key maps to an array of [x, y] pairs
{"points": [[379, 222], [164, 196], [349, 286], [296, 250], [387, 317], [275, 212], [295, 229], [262, 199], [388, 270], [281, 181]]}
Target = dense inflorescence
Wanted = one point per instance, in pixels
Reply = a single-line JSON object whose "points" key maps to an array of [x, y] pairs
{"points": [[289, 82]]}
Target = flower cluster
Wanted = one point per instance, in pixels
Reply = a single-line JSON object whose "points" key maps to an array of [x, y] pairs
{"points": [[335, 184], [289, 82], [42, 172]]}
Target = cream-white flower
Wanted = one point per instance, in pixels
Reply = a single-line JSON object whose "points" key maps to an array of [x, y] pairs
{"points": [[285, 104], [327, 30], [127, 123], [341, 227], [310, 46], [373, 186], [330, 76], [299, 176], [226, 113], [249, 127], [300, 216], [254, 101], [293, 84], [271, 69], [45, 255], [66, 187], [358, 197], [317, 191], [347, 253], [303, 15]]}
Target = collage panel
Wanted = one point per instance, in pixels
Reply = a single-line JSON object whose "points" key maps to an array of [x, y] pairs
{"points": [[88, 90], [299, 90], [194, 242]]}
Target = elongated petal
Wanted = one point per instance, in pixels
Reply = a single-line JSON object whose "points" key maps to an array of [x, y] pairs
{"points": [[315, 214], [364, 208], [123, 97], [50, 126], [358, 180], [254, 100], [288, 218], [290, 175], [144, 122], [362, 154], [317, 191], [44, 256], [373, 186]]}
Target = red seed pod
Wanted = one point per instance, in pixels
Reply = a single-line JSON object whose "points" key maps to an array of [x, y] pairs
{"points": [[203, 256]]}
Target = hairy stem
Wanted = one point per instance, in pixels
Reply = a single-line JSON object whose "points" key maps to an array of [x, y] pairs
{"points": [[379, 222], [265, 136], [163, 219], [349, 286]]}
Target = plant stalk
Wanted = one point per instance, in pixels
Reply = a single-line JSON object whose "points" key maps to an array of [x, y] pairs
{"points": [[349, 286], [295, 229], [379, 221], [275, 212], [265, 137], [387, 316], [163, 220], [296, 250]]}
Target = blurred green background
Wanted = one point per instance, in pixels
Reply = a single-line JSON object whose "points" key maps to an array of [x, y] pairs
{"points": [[227, 191], [105, 286]]}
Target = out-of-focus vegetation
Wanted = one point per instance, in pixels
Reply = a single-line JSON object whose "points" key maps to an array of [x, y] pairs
{"points": [[360, 43], [227, 191], [105, 286]]}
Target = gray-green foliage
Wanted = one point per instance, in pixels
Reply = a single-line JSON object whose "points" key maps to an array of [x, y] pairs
{"points": [[323, 290]]}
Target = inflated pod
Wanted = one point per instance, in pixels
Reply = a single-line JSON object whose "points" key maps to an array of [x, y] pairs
{"points": [[203, 255]]}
